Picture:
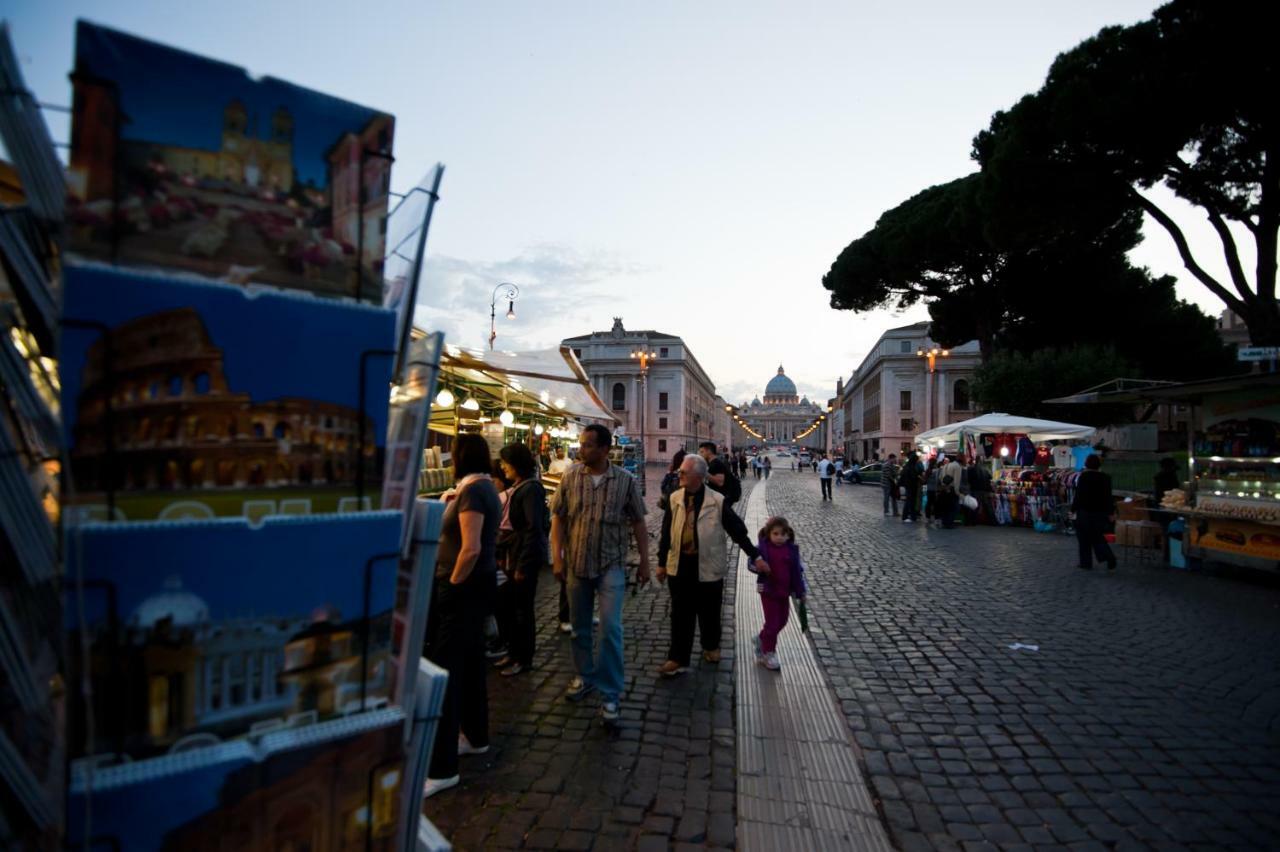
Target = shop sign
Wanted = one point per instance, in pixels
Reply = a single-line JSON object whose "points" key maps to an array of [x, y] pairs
{"points": [[1258, 353]]}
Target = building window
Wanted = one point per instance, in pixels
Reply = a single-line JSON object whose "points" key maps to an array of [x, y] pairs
{"points": [[619, 396], [662, 445], [908, 424], [961, 393], [662, 352], [662, 422], [905, 347], [904, 400], [577, 353], [201, 383], [662, 400]]}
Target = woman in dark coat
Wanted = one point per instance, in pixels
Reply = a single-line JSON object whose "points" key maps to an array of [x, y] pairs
{"points": [[462, 597], [1095, 509], [523, 534]]}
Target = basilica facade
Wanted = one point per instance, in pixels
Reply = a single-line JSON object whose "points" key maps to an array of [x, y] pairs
{"points": [[781, 416]]}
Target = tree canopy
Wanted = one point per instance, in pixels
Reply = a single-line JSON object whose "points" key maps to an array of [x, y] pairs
{"points": [[1013, 381], [1185, 99]]}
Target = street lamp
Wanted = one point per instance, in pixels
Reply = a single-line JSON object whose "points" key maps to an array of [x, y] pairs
{"points": [[510, 293], [644, 355], [932, 355]]}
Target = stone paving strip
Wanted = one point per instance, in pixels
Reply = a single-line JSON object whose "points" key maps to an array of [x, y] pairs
{"points": [[799, 785]]}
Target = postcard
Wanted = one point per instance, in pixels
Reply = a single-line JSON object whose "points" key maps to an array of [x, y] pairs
{"points": [[185, 162], [201, 633], [187, 399], [324, 787]]}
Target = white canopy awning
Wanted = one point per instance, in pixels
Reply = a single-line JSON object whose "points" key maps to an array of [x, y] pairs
{"points": [[1008, 424]]}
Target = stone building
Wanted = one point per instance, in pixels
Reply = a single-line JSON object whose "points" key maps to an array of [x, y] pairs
{"points": [[783, 414], [681, 405], [892, 396]]}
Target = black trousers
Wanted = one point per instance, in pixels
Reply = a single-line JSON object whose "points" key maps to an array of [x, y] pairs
{"points": [[826, 488], [911, 503], [455, 642], [1091, 530], [931, 505], [948, 502], [693, 602], [523, 629]]}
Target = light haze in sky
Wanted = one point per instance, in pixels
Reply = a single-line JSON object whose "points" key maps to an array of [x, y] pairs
{"points": [[693, 168]]}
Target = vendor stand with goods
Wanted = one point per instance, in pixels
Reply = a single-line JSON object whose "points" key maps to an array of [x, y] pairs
{"points": [[1034, 465], [1228, 510], [538, 398]]}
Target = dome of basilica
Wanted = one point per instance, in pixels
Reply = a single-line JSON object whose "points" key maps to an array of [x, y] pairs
{"points": [[780, 385]]}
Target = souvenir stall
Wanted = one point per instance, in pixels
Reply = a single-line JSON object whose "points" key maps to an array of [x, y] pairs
{"points": [[540, 398], [1034, 465], [209, 612], [1230, 503]]}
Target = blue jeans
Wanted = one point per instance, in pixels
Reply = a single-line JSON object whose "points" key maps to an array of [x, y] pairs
{"points": [[604, 671]]}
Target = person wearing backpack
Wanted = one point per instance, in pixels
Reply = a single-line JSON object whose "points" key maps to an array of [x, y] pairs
{"points": [[719, 477]]}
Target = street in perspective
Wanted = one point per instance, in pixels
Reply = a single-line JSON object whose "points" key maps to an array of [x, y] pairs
{"points": [[591, 427]]}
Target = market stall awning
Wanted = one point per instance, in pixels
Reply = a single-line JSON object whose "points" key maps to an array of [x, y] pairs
{"points": [[1130, 392], [1008, 424], [542, 385]]}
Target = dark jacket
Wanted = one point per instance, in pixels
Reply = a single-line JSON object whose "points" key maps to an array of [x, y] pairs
{"points": [[1093, 493], [729, 519], [526, 542]]}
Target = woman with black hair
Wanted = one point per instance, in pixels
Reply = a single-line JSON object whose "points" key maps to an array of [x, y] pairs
{"points": [[466, 566], [523, 537]]}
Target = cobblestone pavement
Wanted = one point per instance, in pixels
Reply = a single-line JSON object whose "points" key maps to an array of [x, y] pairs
{"points": [[555, 778], [1148, 718]]}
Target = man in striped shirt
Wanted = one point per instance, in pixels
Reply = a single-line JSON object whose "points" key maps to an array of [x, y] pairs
{"points": [[595, 510]]}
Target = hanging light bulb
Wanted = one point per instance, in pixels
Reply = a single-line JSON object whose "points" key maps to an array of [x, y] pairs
{"points": [[538, 430], [544, 396], [560, 402], [444, 399], [470, 404], [506, 418], [511, 310]]}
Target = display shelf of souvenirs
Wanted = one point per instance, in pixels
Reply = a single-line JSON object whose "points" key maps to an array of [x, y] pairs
{"points": [[436, 478], [1023, 496], [1241, 478], [1239, 440]]}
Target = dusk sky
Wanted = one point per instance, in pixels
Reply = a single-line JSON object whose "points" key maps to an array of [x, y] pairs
{"points": [[692, 168]]}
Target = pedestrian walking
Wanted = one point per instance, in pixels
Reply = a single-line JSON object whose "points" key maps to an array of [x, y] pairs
{"points": [[1095, 510], [889, 483], [768, 466], [931, 477], [719, 477], [826, 470], [670, 479], [522, 534], [911, 476], [692, 552], [466, 565], [782, 578], [596, 509], [500, 625], [949, 490]]}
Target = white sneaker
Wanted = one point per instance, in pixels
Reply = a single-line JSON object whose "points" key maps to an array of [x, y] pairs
{"points": [[609, 711], [435, 785], [771, 662], [465, 746], [566, 627], [595, 621]]}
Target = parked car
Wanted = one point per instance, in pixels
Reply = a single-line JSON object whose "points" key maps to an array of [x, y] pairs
{"points": [[805, 458], [867, 474]]}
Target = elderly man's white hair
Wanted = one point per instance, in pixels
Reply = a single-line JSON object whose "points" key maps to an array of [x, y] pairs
{"points": [[697, 464]]}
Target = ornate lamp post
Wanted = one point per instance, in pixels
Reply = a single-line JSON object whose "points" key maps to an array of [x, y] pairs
{"points": [[932, 355], [644, 355], [510, 293]]}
